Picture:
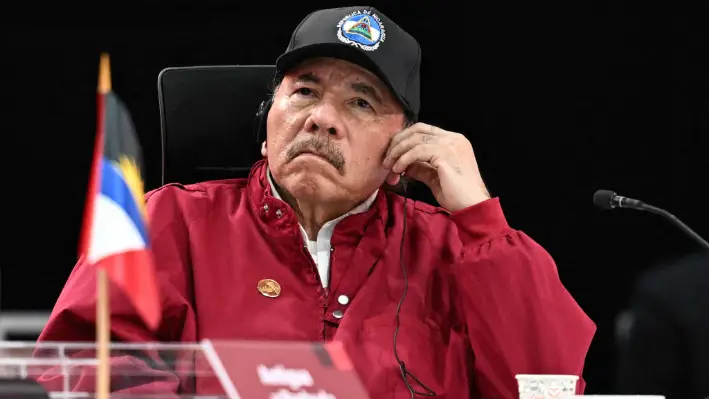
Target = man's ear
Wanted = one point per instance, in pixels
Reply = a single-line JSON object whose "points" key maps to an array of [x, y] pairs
{"points": [[264, 152]]}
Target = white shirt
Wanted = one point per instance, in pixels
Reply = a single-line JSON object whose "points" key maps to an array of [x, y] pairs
{"points": [[320, 249]]}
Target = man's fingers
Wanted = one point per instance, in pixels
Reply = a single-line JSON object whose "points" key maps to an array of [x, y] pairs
{"points": [[396, 150], [406, 145], [418, 128], [398, 138], [418, 153], [422, 172]]}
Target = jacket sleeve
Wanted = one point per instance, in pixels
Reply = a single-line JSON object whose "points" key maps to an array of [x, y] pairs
{"points": [[74, 316], [519, 317]]}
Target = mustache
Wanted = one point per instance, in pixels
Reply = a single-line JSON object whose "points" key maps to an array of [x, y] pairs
{"points": [[319, 147]]}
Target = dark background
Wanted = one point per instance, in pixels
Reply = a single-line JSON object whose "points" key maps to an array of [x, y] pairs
{"points": [[558, 98]]}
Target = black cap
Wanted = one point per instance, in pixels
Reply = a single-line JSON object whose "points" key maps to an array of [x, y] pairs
{"points": [[366, 37]]}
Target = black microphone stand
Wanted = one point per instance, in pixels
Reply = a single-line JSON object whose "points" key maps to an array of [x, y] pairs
{"points": [[672, 218]]}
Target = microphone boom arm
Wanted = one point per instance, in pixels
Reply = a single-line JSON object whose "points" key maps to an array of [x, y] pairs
{"points": [[676, 221]]}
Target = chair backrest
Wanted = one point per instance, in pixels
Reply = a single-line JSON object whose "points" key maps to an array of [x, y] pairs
{"points": [[207, 117]]}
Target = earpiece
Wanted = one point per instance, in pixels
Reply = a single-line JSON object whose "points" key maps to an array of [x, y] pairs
{"points": [[260, 120], [263, 108]]}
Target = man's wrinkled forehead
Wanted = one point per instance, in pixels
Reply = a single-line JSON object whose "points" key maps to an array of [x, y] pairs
{"points": [[331, 71]]}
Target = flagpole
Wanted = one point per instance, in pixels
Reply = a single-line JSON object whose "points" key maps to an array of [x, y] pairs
{"points": [[103, 319], [103, 336]]}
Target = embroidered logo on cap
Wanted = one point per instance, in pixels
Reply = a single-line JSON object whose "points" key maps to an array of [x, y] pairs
{"points": [[362, 29]]}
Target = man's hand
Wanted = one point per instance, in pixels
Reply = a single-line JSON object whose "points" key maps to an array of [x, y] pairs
{"points": [[442, 160]]}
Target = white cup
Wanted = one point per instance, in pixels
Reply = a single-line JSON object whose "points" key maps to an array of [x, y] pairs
{"points": [[619, 396], [541, 386]]}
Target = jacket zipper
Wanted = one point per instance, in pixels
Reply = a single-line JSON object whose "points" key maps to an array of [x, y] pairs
{"points": [[326, 291]]}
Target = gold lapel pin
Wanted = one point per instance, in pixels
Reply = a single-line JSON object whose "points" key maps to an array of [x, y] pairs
{"points": [[269, 288]]}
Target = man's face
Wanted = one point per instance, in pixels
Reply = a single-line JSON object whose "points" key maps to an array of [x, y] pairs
{"points": [[328, 130]]}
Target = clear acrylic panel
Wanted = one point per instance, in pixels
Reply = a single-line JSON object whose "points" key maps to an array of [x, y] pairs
{"points": [[148, 370]]}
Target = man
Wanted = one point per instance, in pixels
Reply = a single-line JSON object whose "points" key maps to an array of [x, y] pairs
{"points": [[310, 248]]}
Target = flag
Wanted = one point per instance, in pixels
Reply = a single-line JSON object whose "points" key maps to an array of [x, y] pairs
{"points": [[115, 226]]}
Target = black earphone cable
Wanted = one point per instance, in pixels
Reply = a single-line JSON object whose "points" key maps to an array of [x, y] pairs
{"points": [[405, 373]]}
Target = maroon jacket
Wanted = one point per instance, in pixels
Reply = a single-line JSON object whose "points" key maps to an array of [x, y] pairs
{"points": [[484, 301]]}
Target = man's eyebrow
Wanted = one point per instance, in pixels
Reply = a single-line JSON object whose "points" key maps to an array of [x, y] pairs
{"points": [[307, 78], [368, 90]]}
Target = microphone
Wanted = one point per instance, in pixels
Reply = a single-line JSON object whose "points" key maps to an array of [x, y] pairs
{"points": [[606, 199]]}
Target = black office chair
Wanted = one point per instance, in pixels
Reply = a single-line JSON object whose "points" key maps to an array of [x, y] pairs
{"points": [[207, 116]]}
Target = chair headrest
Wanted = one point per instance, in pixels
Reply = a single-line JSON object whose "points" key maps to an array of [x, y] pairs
{"points": [[207, 118]]}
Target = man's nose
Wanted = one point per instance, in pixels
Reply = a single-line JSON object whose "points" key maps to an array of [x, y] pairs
{"points": [[325, 119]]}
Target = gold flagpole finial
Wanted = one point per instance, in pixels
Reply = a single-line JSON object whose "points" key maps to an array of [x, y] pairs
{"points": [[104, 74]]}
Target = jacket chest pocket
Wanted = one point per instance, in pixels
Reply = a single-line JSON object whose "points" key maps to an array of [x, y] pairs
{"points": [[418, 345]]}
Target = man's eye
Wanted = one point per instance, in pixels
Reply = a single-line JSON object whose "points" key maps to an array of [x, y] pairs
{"points": [[304, 91], [362, 103]]}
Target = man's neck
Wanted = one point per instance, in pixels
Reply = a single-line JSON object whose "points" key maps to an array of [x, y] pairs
{"points": [[312, 215]]}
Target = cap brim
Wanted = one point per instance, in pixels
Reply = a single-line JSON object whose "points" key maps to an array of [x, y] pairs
{"points": [[341, 51]]}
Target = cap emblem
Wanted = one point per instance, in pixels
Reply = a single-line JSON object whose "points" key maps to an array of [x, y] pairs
{"points": [[361, 29]]}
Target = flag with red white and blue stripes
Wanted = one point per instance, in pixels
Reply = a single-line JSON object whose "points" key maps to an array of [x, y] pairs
{"points": [[115, 227]]}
